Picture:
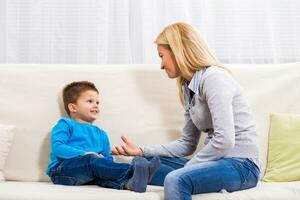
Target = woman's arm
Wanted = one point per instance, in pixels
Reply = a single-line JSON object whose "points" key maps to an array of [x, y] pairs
{"points": [[218, 90], [184, 146]]}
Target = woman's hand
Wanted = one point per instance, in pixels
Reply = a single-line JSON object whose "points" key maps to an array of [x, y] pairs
{"points": [[128, 149]]}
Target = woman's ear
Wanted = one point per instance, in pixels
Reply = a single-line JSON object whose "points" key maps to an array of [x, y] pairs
{"points": [[72, 108]]}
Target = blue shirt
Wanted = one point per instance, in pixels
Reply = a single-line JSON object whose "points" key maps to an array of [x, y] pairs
{"points": [[70, 139]]}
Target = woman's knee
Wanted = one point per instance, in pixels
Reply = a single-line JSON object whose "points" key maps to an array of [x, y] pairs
{"points": [[176, 187], [175, 179], [170, 179]]}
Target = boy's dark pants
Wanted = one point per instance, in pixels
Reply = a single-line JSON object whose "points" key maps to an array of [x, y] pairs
{"points": [[90, 169]]}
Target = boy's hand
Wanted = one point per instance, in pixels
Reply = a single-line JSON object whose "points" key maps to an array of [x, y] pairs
{"points": [[128, 149], [94, 153]]}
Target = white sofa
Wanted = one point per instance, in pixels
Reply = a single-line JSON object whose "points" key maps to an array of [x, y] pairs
{"points": [[136, 100]]}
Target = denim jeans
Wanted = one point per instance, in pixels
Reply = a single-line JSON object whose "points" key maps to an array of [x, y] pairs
{"points": [[90, 169], [231, 174]]}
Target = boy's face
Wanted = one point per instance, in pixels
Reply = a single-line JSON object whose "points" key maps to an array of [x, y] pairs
{"points": [[86, 109]]}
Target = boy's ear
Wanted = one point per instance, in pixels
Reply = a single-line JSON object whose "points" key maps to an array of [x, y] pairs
{"points": [[72, 107]]}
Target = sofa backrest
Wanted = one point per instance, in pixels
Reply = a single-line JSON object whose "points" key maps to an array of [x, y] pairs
{"points": [[270, 89], [138, 101]]}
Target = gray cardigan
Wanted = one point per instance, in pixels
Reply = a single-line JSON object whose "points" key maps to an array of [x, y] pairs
{"points": [[220, 108]]}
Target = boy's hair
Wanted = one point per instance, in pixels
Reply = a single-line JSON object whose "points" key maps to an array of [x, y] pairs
{"points": [[72, 91]]}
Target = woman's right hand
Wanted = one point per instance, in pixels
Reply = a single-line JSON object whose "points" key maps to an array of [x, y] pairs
{"points": [[128, 149]]}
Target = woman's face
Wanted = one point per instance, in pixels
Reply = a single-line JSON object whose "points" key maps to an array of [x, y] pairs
{"points": [[168, 62]]}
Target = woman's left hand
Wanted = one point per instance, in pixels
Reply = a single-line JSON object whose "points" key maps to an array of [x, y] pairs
{"points": [[128, 149]]}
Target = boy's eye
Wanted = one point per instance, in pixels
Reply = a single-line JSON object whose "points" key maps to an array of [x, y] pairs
{"points": [[89, 101], [97, 102]]}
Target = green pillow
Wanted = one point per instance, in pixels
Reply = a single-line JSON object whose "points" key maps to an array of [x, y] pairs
{"points": [[284, 149]]}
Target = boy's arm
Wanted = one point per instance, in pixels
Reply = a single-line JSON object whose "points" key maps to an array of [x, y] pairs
{"points": [[107, 149], [59, 138]]}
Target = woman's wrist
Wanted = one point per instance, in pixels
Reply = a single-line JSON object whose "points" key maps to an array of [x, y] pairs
{"points": [[141, 151]]}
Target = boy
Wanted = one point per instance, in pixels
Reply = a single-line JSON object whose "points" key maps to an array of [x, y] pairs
{"points": [[80, 151]]}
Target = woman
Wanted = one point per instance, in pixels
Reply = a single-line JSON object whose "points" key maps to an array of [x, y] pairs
{"points": [[214, 103]]}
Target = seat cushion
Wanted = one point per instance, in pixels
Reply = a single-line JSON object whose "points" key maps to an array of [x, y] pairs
{"points": [[14, 190], [47, 190], [264, 191]]}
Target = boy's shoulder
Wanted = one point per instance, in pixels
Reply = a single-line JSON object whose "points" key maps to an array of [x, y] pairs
{"points": [[100, 130], [64, 121]]}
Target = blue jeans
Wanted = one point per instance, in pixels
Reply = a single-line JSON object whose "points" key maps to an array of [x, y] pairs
{"points": [[91, 170], [231, 174]]}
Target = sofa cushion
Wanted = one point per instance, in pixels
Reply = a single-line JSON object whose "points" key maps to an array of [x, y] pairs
{"points": [[6, 139], [49, 191], [284, 147], [46, 190], [264, 191]]}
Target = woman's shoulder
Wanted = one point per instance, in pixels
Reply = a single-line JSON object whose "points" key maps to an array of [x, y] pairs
{"points": [[216, 74], [215, 70], [215, 77]]}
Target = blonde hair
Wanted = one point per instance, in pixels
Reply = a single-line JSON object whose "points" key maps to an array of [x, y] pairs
{"points": [[189, 48]]}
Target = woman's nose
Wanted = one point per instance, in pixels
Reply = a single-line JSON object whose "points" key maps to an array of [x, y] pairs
{"points": [[162, 66]]}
